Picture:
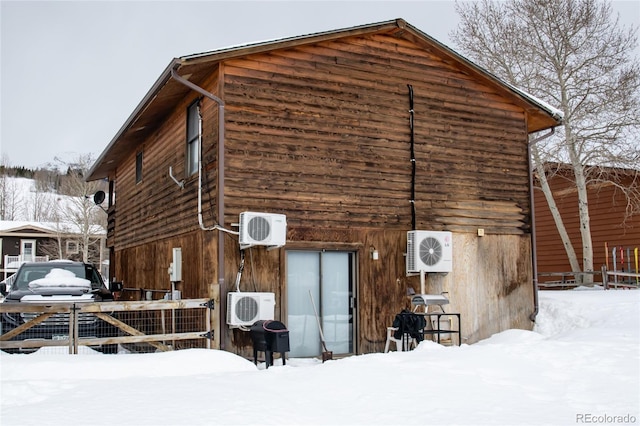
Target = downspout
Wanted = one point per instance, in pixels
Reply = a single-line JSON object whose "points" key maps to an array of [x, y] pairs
{"points": [[221, 282], [534, 248]]}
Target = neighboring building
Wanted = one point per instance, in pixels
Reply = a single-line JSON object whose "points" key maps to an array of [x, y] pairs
{"points": [[322, 128], [611, 221], [22, 241]]}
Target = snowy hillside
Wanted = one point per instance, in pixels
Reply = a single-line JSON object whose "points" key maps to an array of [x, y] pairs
{"points": [[24, 204]]}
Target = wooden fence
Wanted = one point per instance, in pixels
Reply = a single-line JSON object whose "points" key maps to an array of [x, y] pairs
{"points": [[608, 279], [620, 279], [140, 326]]}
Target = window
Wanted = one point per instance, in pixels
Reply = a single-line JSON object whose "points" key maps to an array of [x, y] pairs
{"points": [[72, 247], [193, 138], [139, 167]]}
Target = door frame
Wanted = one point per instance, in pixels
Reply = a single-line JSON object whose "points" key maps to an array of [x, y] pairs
{"points": [[353, 248], [22, 244]]}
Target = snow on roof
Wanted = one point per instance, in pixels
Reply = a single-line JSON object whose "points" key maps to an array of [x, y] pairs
{"points": [[550, 109], [46, 227]]}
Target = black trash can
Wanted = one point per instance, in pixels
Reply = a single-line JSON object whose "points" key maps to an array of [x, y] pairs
{"points": [[269, 336]]}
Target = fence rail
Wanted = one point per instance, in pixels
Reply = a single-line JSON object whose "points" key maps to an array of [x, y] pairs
{"points": [[633, 280], [140, 326], [13, 262], [608, 279]]}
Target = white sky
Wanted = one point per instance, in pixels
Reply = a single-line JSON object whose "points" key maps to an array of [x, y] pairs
{"points": [[72, 72]]}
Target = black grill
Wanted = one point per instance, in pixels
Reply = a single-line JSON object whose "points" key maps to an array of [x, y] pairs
{"points": [[268, 337]]}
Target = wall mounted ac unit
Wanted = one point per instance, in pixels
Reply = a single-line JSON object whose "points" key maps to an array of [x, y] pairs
{"points": [[429, 251], [247, 308], [262, 229]]}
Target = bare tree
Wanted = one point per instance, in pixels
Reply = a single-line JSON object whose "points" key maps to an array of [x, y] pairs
{"points": [[39, 204], [11, 198], [81, 211], [4, 181], [53, 247], [574, 55], [13, 201]]}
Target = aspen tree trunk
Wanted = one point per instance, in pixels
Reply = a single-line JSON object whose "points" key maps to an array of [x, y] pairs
{"points": [[585, 227], [555, 213], [576, 55]]}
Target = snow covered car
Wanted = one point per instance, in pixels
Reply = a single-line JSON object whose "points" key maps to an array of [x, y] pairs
{"points": [[51, 282]]}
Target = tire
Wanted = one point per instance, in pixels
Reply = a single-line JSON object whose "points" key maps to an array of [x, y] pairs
{"points": [[109, 349], [139, 348]]}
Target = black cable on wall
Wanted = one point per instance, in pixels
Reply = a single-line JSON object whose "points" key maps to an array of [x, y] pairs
{"points": [[413, 160]]}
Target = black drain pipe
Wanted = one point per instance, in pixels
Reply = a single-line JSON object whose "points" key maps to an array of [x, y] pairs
{"points": [[413, 161]]}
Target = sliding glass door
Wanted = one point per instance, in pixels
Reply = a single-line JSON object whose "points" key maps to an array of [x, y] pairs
{"points": [[326, 279]]}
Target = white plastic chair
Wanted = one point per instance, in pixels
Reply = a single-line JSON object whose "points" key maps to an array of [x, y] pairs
{"points": [[399, 346]]}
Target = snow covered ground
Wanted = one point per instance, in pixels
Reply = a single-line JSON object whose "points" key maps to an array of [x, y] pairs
{"points": [[581, 365]]}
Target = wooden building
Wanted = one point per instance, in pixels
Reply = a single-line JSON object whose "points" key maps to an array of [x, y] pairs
{"points": [[324, 128], [612, 225], [23, 241]]}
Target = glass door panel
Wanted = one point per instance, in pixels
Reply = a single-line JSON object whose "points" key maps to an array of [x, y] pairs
{"points": [[328, 278], [303, 271], [336, 297]]}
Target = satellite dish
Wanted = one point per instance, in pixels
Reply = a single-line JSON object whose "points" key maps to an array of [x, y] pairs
{"points": [[99, 197]]}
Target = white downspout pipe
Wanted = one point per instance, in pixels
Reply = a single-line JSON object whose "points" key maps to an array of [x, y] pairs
{"points": [[220, 184]]}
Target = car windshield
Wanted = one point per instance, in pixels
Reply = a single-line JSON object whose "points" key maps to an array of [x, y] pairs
{"points": [[29, 273]]}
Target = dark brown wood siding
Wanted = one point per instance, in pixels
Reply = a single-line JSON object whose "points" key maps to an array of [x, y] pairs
{"points": [[156, 207], [321, 133]]}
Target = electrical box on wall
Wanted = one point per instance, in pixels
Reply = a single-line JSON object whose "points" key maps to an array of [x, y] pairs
{"points": [[175, 269]]}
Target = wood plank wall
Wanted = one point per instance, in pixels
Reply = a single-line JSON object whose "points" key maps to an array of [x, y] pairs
{"points": [[321, 133]]}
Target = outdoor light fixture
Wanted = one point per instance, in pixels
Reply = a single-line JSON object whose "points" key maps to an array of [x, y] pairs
{"points": [[374, 253]]}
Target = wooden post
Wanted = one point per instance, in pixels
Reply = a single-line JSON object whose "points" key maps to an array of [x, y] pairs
{"points": [[216, 319]]}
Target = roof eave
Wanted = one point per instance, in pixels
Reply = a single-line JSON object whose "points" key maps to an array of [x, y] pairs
{"points": [[103, 164]]}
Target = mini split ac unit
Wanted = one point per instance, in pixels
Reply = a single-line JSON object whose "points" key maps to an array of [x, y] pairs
{"points": [[247, 308], [262, 229], [429, 251]]}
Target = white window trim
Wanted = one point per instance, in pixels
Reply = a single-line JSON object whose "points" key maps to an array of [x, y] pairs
{"points": [[23, 243]]}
